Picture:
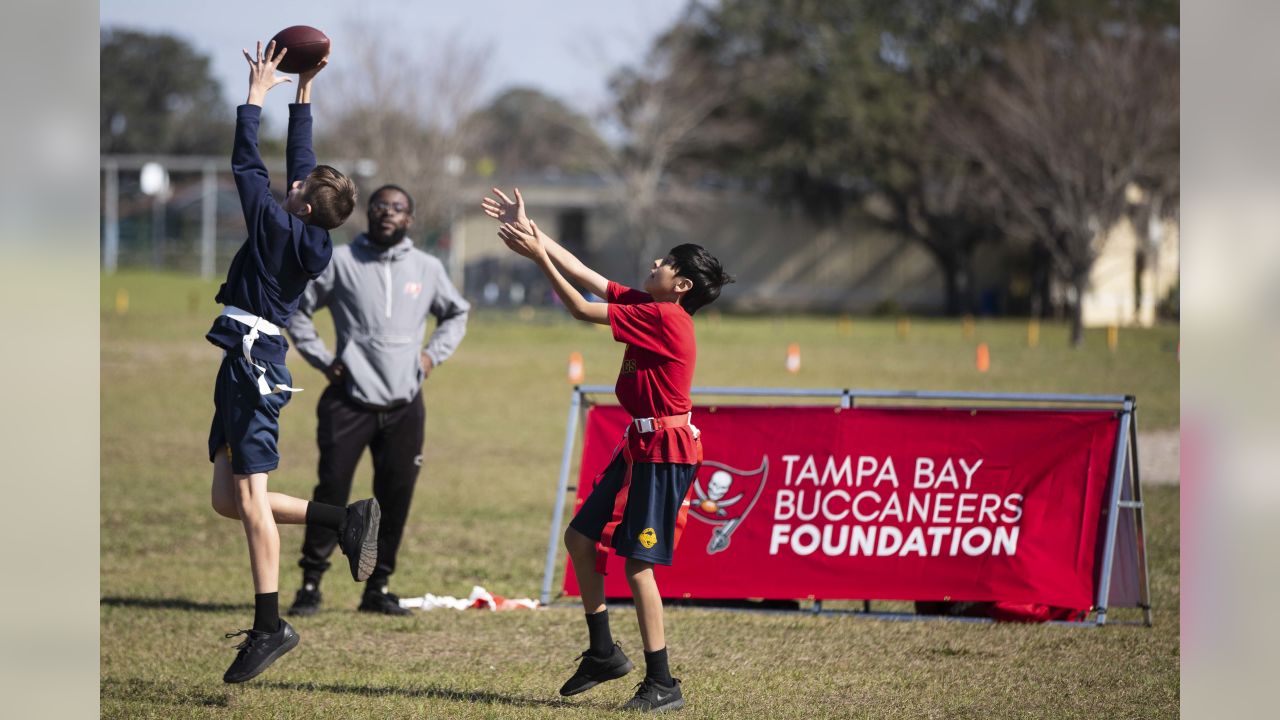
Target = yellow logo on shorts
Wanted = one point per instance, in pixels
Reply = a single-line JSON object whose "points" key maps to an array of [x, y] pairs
{"points": [[648, 538]]}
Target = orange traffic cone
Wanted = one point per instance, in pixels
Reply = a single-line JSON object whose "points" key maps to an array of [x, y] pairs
{"points": [[576, 370], [793, 358], [984, 357]]}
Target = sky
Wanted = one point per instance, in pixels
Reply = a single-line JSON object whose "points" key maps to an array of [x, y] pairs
{"points": [[566, 48]]}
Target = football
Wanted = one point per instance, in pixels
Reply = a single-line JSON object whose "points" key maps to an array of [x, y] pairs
{"points": [[307, 47]]}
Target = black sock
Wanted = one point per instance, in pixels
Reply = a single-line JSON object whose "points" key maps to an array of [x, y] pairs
{"points": [[330, 516], [655, 667], [601, 638], [266, 612]]}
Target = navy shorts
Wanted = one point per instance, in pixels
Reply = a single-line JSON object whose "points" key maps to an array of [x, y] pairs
{"points": [[246, 424], [648, 528]]}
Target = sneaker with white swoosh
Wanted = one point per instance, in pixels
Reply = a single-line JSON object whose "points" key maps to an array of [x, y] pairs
{"points": [[651, 696]]}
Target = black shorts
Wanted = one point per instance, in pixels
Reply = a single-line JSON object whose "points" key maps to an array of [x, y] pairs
{"points": [[246, 424], [650, 526]]}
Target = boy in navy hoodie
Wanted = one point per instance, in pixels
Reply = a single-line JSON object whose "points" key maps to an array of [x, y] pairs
{"points": [[288, 245]]}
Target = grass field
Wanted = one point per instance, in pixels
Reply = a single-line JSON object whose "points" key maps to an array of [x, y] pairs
{"points": [[175, 575]]}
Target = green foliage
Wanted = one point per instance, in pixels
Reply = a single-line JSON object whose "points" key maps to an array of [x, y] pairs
{"points": [[527, 131], [159, 96]]}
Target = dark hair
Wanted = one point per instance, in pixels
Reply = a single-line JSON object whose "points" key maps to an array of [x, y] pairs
{"points": [[397, 188], [703, 270], [331, 195]]}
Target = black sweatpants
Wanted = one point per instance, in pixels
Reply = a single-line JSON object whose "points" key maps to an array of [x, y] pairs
{"points": [[394, 438]]}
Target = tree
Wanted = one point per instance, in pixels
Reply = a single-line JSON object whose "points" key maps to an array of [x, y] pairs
{"points": [[407, 112], [526, 131], [845, 103], [1076, 117], [664, 113], [850, 98], [159, 96]]}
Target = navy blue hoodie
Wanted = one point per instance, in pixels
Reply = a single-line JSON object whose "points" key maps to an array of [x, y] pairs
{"points": [[282, 253]]}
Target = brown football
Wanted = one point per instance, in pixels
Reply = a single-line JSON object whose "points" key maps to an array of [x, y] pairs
{"points": [[307, 47]]}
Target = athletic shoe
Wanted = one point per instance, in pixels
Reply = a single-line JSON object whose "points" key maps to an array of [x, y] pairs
{"points": [[258, 651], [307, 601], [654, 697], [383, 602], [594, 670], [359, 541]]}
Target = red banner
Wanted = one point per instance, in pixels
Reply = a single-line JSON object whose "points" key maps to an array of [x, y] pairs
{"points": [[884, 504]]}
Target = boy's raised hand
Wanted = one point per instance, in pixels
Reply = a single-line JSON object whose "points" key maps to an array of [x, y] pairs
{"points": [[505, 211], [262, 72], [308, 76], [524, 242], [304, 81]]}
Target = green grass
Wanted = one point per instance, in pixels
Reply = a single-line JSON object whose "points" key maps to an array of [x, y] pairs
{"points": [[175, 575]]}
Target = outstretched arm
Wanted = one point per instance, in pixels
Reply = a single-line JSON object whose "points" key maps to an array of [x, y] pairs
{"points": [[247, 168], [300, 158], [530, 245], [504, 210]]}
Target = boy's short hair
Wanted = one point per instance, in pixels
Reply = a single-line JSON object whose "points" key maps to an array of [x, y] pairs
{"points": [[331, 195], [703, 270]]}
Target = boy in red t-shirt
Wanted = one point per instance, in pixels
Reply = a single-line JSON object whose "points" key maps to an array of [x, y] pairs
{"points": [[637, 506]]}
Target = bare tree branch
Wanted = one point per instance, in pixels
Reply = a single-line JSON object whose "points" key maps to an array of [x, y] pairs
{"points": [[407, 110], [1066, 127]]}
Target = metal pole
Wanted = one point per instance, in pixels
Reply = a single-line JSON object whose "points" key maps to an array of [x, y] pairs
{"points": [[157, 232], [209, 221], [1113, 511], [111, 221], [1138, 512], [557, 511], [458, 248]]}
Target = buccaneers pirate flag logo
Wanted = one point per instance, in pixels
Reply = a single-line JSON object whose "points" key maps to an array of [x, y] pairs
{"points": [[723, 496]]}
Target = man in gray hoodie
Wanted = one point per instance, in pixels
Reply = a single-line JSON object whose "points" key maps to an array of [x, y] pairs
{"points": [[379, 289]]}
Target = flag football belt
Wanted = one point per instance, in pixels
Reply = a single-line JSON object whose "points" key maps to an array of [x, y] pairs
{"points": [[257, 327], [654, 424]]}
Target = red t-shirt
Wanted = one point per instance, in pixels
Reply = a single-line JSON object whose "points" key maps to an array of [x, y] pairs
{"points": [[657, 371]]}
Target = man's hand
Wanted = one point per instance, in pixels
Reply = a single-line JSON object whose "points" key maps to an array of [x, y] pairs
{"points": [[526, 243], [335, 372], [505, 211], [262, 72], [425, 360], [304, 81]]}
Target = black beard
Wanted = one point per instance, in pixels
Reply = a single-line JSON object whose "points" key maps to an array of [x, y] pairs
{"points": [[388, 240]]}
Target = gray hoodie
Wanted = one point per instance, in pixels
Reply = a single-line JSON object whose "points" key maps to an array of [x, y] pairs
{"points": [[380, 299]]}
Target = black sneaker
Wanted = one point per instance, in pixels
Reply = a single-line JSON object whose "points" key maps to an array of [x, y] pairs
{"points": [[258, 651], [594, 670], [307, 601], [359, 541], [654, 697], [383, 602]]}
